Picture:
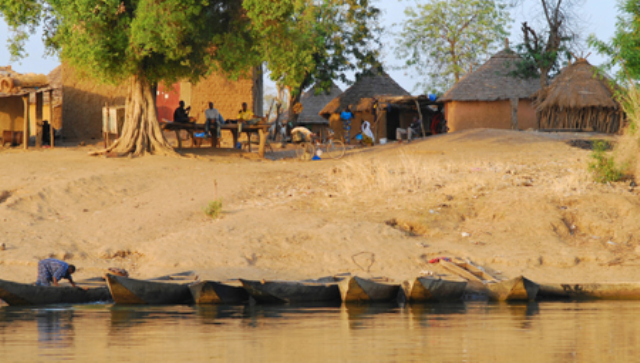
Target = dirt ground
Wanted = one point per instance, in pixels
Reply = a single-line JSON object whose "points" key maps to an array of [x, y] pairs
{"points": [[513, 202]]}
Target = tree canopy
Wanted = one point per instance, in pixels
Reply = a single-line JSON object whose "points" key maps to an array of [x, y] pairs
{"points": [[624, 49], [544, 50], [308, 41], [443, 38]]}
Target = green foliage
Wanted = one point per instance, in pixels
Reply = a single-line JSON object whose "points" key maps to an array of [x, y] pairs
{"points": [[307, 41], [112, 40], [214, 208], [624, 48], [603, 166], [443, 38]]}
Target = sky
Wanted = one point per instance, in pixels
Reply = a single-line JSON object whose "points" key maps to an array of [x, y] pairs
{"points": [[598, 17]]}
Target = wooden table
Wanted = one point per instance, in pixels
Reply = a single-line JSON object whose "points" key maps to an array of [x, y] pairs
{"points": [[191, 128]]}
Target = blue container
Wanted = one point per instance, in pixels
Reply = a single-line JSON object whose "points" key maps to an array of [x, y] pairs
{"points": [[239, 145]]}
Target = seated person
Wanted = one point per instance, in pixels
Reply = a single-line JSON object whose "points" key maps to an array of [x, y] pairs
{"points": [[413, 129], [244, 115], [367, 134], [212, 115], [302, 134], [181, 114]]}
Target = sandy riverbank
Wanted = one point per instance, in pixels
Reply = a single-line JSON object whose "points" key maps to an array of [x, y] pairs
{"points": [[515, 202]]}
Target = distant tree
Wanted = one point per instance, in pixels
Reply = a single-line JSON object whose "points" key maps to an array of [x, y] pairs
{"points": [[624, 49], [544, 50], [142, 42], [315, 41], [443, 38]]}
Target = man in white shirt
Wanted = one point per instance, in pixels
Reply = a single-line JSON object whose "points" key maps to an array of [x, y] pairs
{"points": [[212, 115]]}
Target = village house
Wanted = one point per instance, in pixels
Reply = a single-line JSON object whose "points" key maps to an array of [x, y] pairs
{"points": [[490, 97]]}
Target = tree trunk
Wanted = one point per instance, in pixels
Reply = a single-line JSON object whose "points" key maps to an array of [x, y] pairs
{"points": [[141, 132]]}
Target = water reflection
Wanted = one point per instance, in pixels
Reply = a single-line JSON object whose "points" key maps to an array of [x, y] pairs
{"points": [[473, 331]]}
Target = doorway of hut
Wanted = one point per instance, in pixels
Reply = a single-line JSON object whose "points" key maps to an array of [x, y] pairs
{"points": [[393, 122]]}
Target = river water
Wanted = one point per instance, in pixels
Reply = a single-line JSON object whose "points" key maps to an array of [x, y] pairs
{"points": [[463, 332]]}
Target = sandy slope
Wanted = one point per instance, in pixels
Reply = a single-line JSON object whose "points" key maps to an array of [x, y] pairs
{"points": [[515, 202]]}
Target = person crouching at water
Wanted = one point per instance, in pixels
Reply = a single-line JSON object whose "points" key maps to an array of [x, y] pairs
{"points": [[51, 271]]}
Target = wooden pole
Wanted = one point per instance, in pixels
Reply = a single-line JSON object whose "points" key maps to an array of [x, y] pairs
{"points": [[25, 127], [421, 120], [51, 118], [514, 114]]}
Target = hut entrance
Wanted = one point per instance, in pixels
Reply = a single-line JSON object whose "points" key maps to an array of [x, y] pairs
{"points": [[393, 122]]}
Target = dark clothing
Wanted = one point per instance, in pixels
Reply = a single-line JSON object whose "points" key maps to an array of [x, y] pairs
{"points": [[416, 126], [180, 115], [50, 268]]}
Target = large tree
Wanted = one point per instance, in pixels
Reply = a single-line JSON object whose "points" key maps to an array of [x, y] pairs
{"points": [[544, 48], [624, 49], [442, 39], [140, 42], [315, 41]]}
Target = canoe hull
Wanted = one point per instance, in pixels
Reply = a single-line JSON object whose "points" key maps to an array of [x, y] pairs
{"points": [[516, 289], [356, 289], [424, 289], [17, 294], [278, 292], [212, 292], [131, 291], [600, 291]]}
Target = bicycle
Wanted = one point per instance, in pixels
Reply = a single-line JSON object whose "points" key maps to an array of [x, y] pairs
{"points": [[330, 147]]}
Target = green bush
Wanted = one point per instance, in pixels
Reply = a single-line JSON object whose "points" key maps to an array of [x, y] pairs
{"points": [[603, 166], [214, 208]]}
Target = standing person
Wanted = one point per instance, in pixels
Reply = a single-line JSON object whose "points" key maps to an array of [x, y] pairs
{"points": [[50, 271], [413, 129], [367, 134], [212, 115], [181, 114], [346, 116]]}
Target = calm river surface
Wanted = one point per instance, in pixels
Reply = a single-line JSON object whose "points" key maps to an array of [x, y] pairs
{"points": [[465, 332]]}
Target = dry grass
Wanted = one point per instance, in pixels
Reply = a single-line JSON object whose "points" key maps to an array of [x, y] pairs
{"points": [[628, 147]]}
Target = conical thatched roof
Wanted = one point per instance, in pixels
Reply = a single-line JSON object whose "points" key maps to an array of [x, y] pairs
{"points": [[578, 86], [312, 104], [366, 88], [492, 82]]}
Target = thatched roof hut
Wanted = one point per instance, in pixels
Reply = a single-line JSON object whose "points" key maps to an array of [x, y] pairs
{"points": [[312, 103], [366, 88], [580, 98], [490, 97], [361, 98]]}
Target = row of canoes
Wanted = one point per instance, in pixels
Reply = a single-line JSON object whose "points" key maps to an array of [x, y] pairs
{"points": [[348, 289]]}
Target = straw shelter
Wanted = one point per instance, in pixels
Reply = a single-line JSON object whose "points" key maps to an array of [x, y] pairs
{"points": [[580, 99], [361, 98], [25, 102], [312, 103], [490, 97]]}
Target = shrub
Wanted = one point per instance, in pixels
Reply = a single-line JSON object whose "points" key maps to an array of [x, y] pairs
{"points": [[603, 166], [214, 208]]}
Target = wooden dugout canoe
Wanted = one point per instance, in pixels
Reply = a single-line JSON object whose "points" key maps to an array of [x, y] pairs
{"points": [[517, 289], [430, 289], [125, 290], [212, 292], [18, 294], [602, 291], [291, 291], [358, 289]]}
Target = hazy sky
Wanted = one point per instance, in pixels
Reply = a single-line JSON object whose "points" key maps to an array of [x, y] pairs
{"points": [[598, 17]]}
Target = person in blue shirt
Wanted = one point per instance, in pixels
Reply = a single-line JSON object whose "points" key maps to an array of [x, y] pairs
{"points": [[51, 271], [346, 116]]}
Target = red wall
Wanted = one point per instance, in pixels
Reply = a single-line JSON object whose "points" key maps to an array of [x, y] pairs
{"points": [[167, 101]]}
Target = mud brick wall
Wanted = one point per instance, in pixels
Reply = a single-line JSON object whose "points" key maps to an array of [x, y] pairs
{"points": [[82, 104]]}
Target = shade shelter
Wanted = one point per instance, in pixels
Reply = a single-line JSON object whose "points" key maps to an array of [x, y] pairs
{"points": [[582, 99], [361, 97], [490, 97], [26, 100]]}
